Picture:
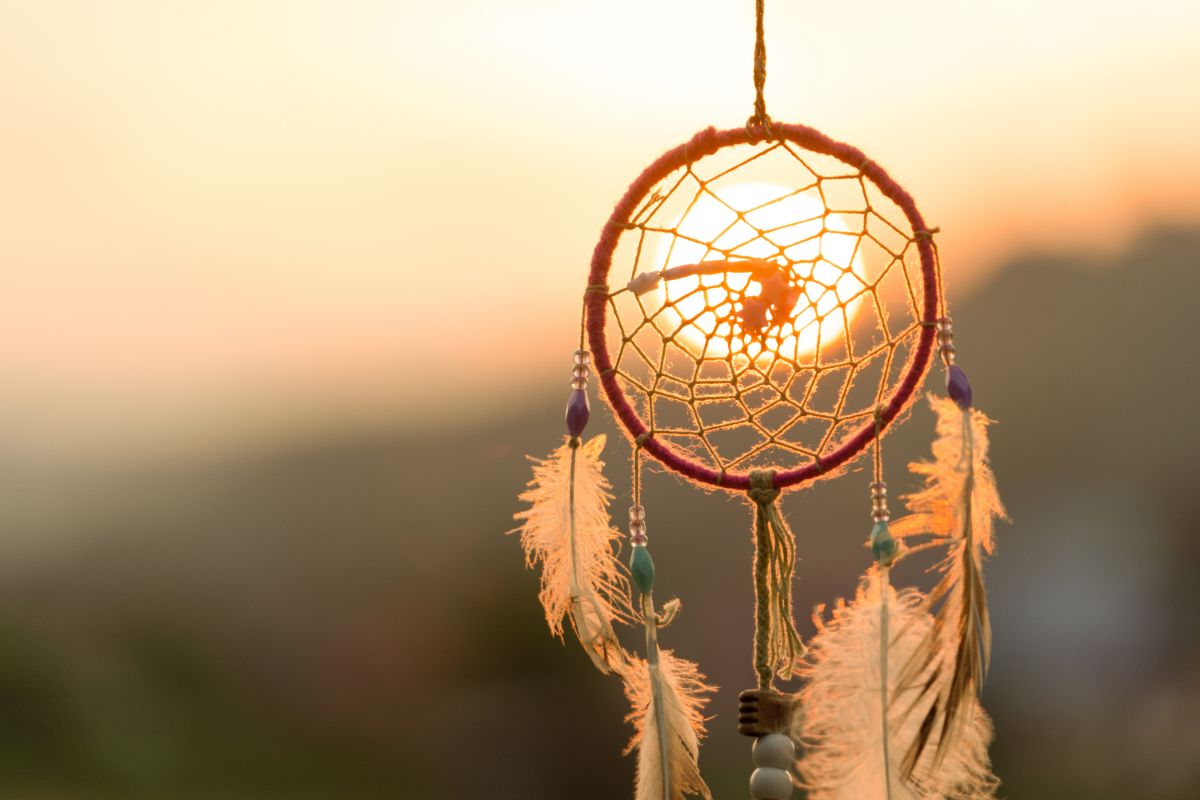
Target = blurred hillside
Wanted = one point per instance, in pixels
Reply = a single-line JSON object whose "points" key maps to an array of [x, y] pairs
{"points": [[344, 618]]}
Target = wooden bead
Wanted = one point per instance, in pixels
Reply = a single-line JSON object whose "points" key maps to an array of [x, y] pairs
{"points": [[774, 750], [770, 783]]}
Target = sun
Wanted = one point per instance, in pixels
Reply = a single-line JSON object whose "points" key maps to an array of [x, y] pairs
{"points": [[758, 269]]}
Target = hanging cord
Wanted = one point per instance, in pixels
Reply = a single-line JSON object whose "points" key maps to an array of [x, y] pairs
{"points": [[637, 472], [943, 304], [884, 548], [878, 455], [760, 122], [777, 644], [641, 568]]}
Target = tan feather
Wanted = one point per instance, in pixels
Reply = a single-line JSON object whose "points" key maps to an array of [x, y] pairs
{"points": [[668, 700], [956, 510], [860, 717], [567, 531]]}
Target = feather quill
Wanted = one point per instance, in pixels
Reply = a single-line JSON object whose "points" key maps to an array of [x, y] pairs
{"points": [[567, 530], [957, 510], [857, 723], [668, 696]]}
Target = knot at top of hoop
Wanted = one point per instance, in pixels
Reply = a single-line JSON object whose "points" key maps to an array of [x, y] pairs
{"points": [[759, 128]]}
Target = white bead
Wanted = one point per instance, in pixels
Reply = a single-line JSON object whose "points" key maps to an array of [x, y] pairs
{"points": [[770, 783], [774, 750]]}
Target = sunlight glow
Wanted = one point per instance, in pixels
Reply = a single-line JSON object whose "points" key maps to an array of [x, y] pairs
{"points": [[818, 253]]}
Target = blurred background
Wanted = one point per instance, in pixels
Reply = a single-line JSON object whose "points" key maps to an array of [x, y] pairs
{"points": [[289, 290]]}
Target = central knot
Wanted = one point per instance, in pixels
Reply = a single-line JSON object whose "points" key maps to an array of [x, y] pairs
{"points": [[773, 305], [762, 487]]}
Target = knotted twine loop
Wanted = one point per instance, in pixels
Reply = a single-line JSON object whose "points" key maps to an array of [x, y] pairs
{"points": [[776, 641], [759, 124]]}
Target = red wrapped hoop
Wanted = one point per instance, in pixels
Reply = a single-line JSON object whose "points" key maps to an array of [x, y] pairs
{"points": [[705, 144]]}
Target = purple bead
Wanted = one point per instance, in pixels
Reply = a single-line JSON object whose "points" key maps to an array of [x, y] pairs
{"points": [[958, 387], [577, 412]]}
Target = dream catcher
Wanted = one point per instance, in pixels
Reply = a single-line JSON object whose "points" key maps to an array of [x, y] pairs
{"points": [[762, 306]]}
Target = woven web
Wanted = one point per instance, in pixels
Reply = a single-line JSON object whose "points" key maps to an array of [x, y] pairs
{"points": [[788, 309]]}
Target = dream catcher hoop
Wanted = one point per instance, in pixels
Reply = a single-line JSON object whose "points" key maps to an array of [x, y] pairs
{"points": [[738, 353], [762, 306]]}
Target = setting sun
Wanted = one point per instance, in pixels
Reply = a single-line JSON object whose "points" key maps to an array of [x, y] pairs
{"points": [[777, 241]]}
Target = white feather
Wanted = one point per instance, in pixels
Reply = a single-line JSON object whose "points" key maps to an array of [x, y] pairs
{"points": [[568, 532], [852, 749], [675, 688], [956, 511]]}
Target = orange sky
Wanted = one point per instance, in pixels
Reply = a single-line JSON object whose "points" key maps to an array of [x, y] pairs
{"points": [[229, 218]]}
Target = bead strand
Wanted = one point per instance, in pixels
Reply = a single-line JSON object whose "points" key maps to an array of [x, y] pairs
{"points": [[773, 755], [879, 506], [957, 385], [883, 546], [578, 409], [945, 330], [641, 566], [637, 526]]}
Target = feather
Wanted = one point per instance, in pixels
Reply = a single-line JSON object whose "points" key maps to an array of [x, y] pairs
{"points": [[956, 509], [668, 699], [567, 530], [858, 716]]}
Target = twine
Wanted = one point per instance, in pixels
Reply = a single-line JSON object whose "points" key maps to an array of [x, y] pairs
{"points": [[760, 121], [777, 644]]}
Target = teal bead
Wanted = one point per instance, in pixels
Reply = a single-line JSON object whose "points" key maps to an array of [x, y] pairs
{"points": [[883, 546], [641, 566]]}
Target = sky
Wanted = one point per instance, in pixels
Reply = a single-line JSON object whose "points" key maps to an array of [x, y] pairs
{"points": [[224, 220]]}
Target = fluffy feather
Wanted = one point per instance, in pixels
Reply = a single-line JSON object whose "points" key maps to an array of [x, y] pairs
{"points": [[567, 530], [956, 509], [853, 750], [675, 688]]}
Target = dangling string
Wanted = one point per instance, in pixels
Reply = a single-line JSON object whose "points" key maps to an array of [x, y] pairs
{"points": [[760, 121], [642, 568], [777, 644], [667, 692], [884, 548]]}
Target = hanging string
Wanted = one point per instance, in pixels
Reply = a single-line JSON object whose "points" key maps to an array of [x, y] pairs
{"points": [[877, 459], [760, 122], [878, 454], [883, 545], [943, 308], [884, 548], [776, 642], [637, 472]]}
